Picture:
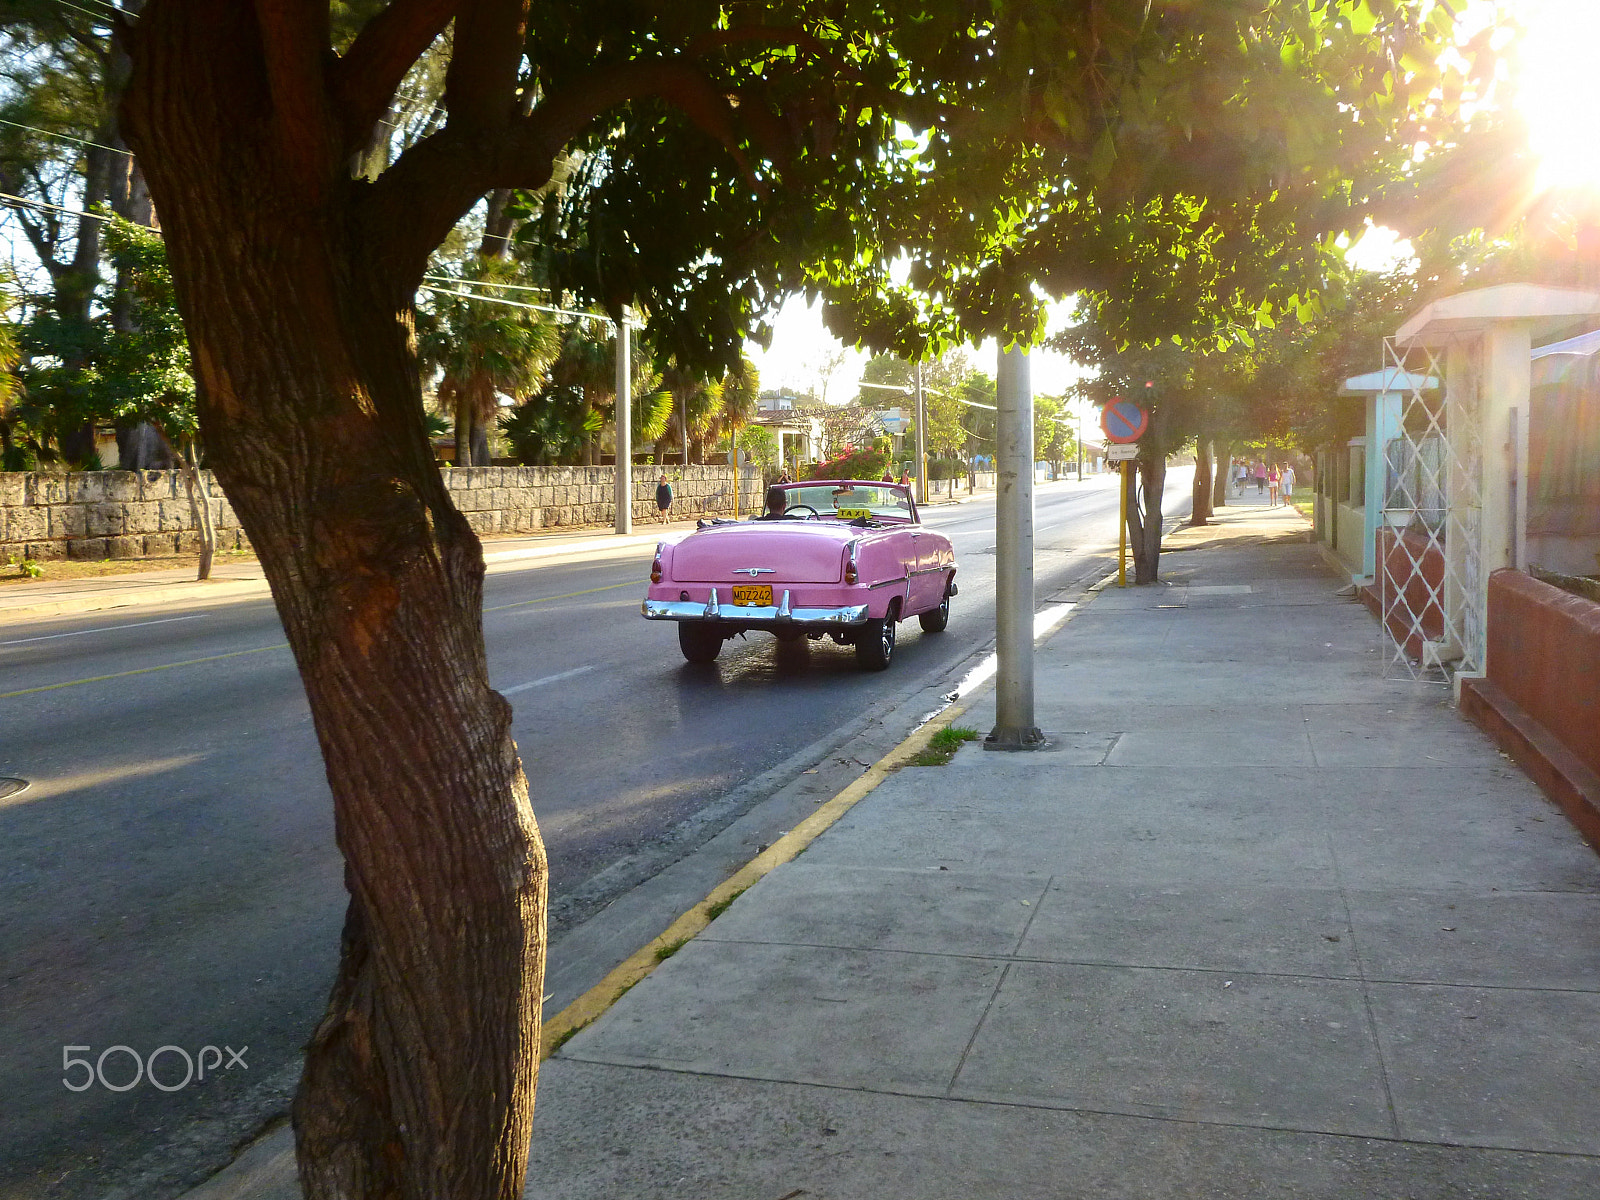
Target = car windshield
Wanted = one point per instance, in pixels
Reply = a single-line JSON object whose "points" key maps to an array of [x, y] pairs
{"points": [[850, 501]]}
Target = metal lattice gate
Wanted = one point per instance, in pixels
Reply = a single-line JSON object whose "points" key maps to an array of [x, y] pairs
{"points": [[1429, 559]]}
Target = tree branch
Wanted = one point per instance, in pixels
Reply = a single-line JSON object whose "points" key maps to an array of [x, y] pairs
{"points": [[364, 80], [480, 86], [43, 247], [294, 39], [413, 205]]}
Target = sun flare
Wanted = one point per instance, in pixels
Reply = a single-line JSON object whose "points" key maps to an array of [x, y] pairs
{"points": [[1559, 89]]}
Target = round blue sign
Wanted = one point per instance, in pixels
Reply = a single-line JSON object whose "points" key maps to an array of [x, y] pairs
{"points": [[1124, 421]]}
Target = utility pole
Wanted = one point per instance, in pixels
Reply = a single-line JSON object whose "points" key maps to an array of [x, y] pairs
{"points": [[624, 487], [683, 415], [1013, 726], [922, 439], [1080, 440]]}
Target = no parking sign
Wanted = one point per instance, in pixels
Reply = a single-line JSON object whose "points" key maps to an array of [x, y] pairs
{"points": [[1124, 421]]}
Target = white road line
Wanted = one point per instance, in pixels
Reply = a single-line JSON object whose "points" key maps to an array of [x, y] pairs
{"points": [[522, 687], [102, 629]]}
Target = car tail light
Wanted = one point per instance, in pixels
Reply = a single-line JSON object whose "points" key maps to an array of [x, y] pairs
{"points": [[655, 569], [850, 572]]}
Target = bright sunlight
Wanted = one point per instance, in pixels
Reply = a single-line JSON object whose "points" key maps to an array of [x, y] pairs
{"points": [[1560, 89]]}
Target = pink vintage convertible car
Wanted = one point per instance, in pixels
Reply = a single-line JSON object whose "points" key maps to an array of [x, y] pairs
{"points": [[847, 559]]}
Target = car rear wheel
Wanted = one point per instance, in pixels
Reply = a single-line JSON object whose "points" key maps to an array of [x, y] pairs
{"points": [[935, 619], [699, 643], [875, 642]]}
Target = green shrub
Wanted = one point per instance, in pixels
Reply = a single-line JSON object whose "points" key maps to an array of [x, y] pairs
{"points": [[853, 464]]}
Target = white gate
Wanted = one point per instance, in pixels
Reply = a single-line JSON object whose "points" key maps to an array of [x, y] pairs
{"points": [[1429, 558]]}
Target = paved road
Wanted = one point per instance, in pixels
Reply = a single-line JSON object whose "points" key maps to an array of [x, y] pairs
{"points": [[169, 878]]}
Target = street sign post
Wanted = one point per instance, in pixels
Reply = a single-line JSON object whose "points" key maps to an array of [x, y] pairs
{"points": [[1122, 528], [1124, 423]]}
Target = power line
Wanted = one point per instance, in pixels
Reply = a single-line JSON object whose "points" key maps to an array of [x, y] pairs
{"points": [[64, 137], [564, 312], [75, 212], [516, 287], [103, 16]]}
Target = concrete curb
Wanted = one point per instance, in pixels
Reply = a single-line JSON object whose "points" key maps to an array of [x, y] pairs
{"points": [[637, 966], [594, 1003]]}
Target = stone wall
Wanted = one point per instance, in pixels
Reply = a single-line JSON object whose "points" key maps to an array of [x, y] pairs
{"points": [[527, 499], [106, 514], [142, 514]]}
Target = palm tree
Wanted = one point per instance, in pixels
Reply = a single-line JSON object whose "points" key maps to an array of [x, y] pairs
{"points": [[711, 408], [563, 421], [741, 400], [484, 346], [10, 385]]}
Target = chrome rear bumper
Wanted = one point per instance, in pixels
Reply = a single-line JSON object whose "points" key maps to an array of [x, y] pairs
{"points": [[767, 616]]}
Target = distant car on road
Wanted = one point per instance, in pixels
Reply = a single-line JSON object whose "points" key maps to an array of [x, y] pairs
{"points": [[846, 559]]}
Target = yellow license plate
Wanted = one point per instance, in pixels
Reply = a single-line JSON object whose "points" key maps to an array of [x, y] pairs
{"points": [[753, 594]]}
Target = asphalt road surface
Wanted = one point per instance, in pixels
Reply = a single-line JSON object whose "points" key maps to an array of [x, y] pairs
{"points": [[169, 882]]}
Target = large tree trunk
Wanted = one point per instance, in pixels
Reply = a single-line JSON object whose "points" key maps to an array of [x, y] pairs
{"points": [[1152, 476], [466, 424], [1200, 494], [140, 447], [1221, 470], [419, 1080], [1143, 487]]}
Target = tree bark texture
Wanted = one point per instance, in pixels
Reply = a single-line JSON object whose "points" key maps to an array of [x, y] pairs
{"points": [[419, 1080], [1151, 476], [1200, 496], [1222, 471], [466, 424], [141, 447]]}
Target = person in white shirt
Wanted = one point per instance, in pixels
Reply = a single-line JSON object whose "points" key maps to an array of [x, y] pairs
{"points": [[1287, 483]]}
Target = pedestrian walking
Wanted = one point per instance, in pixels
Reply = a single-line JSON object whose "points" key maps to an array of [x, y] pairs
{"points": [[1272, 485], [905, 478], [1261, 476], [663, 498], [1239, 473], [1286, 482]]}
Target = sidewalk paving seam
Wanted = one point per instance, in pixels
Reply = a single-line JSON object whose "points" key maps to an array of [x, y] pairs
{"points": [[977, 1029], [1119, 1114], [598, 1000], [1121, 965], [1366, 990]]}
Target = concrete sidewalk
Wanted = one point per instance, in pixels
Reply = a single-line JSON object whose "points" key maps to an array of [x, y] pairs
{"points": [[1263, 925]]}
